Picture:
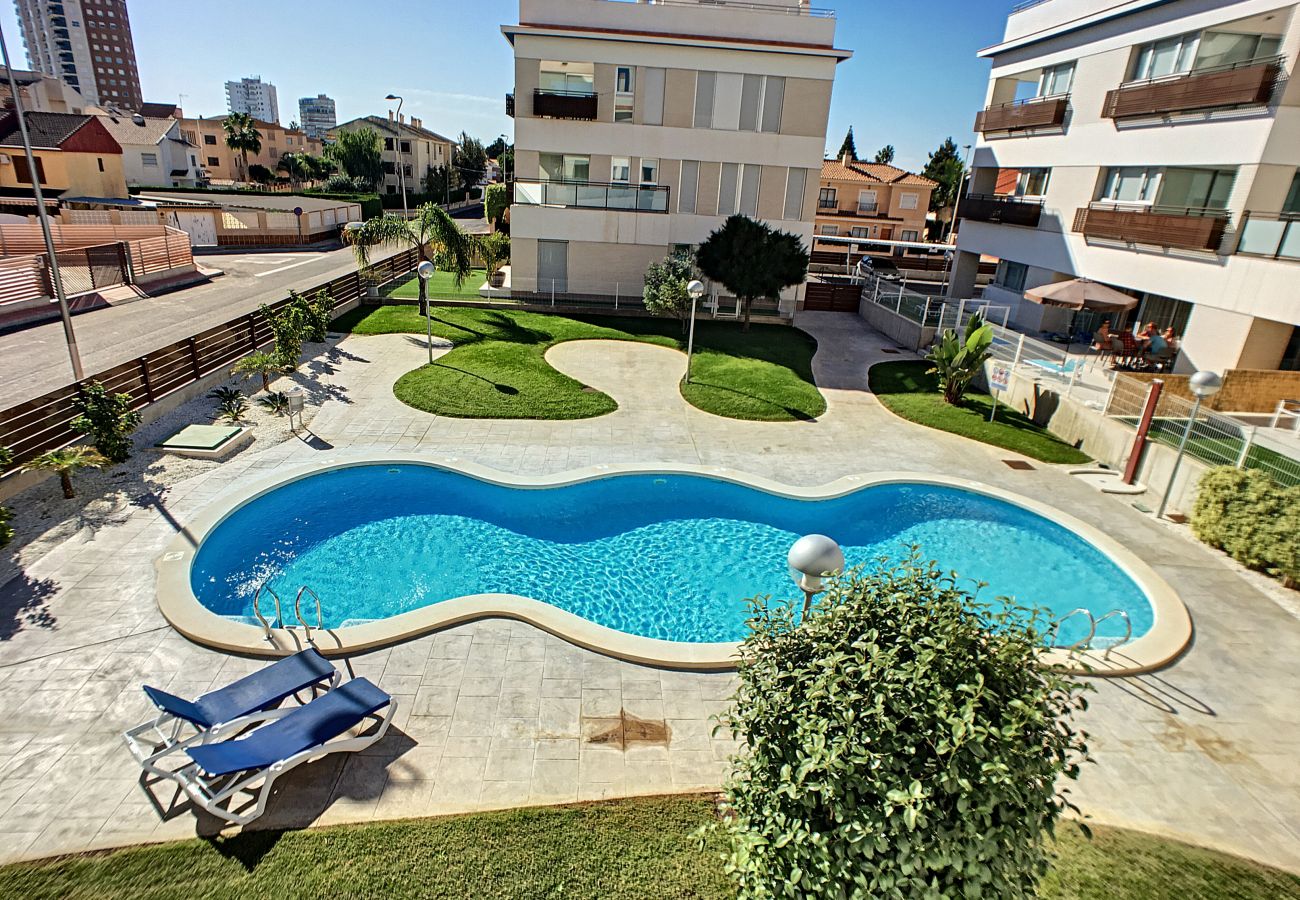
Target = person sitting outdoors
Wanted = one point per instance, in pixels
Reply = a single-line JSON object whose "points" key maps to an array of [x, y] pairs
{"points": [[1156, 345], [1101, 337]]}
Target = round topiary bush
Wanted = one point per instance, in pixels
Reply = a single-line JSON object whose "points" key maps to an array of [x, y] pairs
{"points": [[902, 742]]}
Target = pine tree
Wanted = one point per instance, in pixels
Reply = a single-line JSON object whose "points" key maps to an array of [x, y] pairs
{"points": [[944, 167], [885, 155], [848, 147]]}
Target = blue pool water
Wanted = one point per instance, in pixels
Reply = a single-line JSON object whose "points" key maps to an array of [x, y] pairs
{"points": [[671, 556]]}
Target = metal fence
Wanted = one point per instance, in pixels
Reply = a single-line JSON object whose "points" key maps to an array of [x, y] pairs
{"points": [[1212, 437]]}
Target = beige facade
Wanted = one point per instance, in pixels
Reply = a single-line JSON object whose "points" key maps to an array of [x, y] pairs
{"points": [[870, 200], [629, 147], [405, 142], [218, 160]]}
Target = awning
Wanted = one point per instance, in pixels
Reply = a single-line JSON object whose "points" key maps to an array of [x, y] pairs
{"points": [[1081, 293]]}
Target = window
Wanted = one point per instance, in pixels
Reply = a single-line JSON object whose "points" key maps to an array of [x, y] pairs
{"points": [[727, 189], [623, 80], [100, 161], [688, 190], [1167, 57], [1056, 80], [705, 82], [620, 169], [652, 90], [866, 201], [1221, 48], [1032, 182], [749, 178], [829, 230], [908, 200], [213, 161], [392, 188], [565, 78], [649, 171], [1011, 275], [23, 174], [406, 146], [624, 94], [860, 231], [731, 102], [149, 159], [209, 138], [1292, 202], [406, 170], [1129, 184], [826, 199], [1196, 188], [795, 183], [910, 235]]}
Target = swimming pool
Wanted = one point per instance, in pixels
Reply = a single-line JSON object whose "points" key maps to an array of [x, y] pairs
{"points": [[670, 557]]}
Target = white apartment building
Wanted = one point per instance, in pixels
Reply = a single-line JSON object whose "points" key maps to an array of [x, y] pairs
{"points": [[316, 115], [1154, 147], [639, 127], [254, 97], [88, 44]]}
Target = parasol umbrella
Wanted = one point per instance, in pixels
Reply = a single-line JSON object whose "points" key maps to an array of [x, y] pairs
{"points": [[1081, 293]]}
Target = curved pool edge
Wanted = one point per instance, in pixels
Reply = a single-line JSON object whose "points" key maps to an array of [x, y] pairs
{"points": [[1170, 632]]}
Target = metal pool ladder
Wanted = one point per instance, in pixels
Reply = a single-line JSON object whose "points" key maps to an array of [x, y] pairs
{"points": [[1094, 622], [257, 609], [297, 612]]}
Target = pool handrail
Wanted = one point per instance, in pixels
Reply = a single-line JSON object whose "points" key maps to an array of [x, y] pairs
{"points": [[1086, 640], [257, 609], [297, 611], [1128, 629]]}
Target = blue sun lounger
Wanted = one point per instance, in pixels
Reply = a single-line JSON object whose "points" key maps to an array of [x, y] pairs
{"points": [[284, 738], [217, 714]]}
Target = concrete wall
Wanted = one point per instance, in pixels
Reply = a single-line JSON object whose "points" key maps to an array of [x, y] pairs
{"points": [[903, 330], [1244, 390]]}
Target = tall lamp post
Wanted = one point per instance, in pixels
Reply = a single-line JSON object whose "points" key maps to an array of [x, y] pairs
{"points": [[961, 183], [74, 356], [812, 558], [425, 271], [397, 152], [1203, 385], [694, 290]]}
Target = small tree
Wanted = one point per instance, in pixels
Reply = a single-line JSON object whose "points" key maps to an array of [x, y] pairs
{"points": [[945, 167], [66, 462], [470, 159], [359, 155], [494, 250], [433, 234], [261, 364], [108, 419], [315, 313], [260, 174], [287, 325], [902, 742], [848, 148], [957, 360], [6, 530], [885, 155], [496, 201], [664, 293], [752, 260]]}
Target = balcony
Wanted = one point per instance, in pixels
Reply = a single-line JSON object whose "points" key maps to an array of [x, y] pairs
{"points": [[593, 195], [1038, 112], [1001, 210], [564, 104], [1242, 84], [1272, 235], [510, 105], [1186, 228]]}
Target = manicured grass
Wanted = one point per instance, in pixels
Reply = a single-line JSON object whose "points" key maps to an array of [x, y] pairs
{"points": [[441, 284], [620, 849], [907, 391], [498, 368]]}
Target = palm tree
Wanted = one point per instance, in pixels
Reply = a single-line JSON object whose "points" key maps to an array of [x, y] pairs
{"points": [[66, 462], [243, 137], [294, 165], [433, 234], [261, 364]]}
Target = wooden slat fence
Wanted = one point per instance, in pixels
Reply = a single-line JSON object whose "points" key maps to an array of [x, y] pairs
{"points": [[158, 254], [19, 240], [42, 424]]}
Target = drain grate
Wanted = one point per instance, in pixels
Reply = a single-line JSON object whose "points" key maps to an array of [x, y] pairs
{"points": [[1017, 464]]}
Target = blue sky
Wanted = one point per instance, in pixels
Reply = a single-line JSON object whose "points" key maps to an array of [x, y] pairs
{"points": [[914, 78]]}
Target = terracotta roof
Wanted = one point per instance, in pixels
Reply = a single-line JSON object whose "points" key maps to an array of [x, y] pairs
{"points": [[872, 173], [379, 123], [45, 128]]}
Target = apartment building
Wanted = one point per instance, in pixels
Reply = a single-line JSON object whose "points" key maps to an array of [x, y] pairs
{"points": [[1154, 147], [406, 143], [316, 115], [218, 160], [41, 93], [871, 200], [88, 44], [639, 127], [253, 97]]}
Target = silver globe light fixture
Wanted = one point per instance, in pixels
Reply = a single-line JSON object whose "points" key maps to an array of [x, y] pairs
{"points": [[425, 271], [1203, 386], [812, 558], [694, 290]]}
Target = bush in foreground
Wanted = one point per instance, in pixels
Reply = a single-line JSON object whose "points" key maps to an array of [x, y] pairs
{"points": [[901, 742]]}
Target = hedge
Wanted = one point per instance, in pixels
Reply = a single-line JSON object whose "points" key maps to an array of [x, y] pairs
{"points": [[394, 201], [1247, 515]]}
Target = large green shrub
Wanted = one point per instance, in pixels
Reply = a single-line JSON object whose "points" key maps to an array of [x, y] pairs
{"points": [[1252, 519], [108, 419], [957, 359], [902, 742], [664, 291], [288, 324]]}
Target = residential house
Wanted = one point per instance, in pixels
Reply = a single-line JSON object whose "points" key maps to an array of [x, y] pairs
{"points": [[41, 93], [640, 128], [406, 143], [154, 153], [872, 200], [209, 136], [76, 156], [1150, 147]]}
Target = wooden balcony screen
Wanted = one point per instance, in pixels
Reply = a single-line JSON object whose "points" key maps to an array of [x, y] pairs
{"points": [[1159, 229], [1045, 113], [1246, 86]]}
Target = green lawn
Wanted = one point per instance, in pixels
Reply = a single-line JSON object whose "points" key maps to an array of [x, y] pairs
{"points": [[498, 368], [441, 285], [907, 391], [621, 849]]}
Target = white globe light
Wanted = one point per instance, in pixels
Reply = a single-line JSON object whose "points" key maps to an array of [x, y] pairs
{"points": [[1205, 384], [695, 290], [425, 270], [813, 557]]}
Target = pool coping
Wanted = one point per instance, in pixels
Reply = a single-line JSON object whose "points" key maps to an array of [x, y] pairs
{"points": [[1170, 632]]}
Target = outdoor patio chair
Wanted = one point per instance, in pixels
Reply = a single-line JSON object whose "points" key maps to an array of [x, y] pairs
{"points": [[283, 739], [221, 713]]}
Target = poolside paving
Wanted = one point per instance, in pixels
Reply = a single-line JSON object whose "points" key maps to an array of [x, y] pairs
{"points": [[498, 713]]}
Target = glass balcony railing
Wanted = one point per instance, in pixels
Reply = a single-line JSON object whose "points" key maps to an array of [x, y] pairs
{"points": [[592, 195], [1273, 235]]}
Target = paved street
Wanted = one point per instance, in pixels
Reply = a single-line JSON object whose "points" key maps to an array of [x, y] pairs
{"points": [[34, 360]]}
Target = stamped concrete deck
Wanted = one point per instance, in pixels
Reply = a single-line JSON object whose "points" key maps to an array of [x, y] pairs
{"points": [[496, 713]]}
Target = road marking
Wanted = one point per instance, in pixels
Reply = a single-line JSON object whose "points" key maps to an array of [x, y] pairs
{"points": [[301, 262]]}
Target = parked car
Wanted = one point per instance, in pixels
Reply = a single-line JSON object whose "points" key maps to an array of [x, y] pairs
{"points": [[881, 268]]}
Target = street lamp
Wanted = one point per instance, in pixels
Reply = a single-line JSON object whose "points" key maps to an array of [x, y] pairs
{"points": [[425, 271], [694, 290], [74, 355], [1203, 385], [961, 183], [397, 152], [812, 558]]}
